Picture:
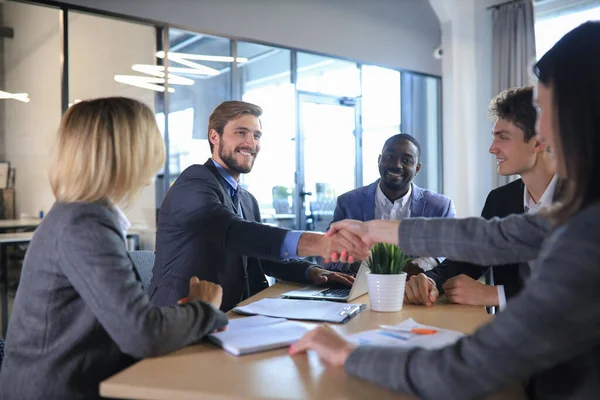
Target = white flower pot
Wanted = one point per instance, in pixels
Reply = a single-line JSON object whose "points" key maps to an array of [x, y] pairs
{"points": [[386, 292]]}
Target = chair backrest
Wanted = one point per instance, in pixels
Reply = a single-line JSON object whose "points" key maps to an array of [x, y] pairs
{"points": [[143, 260], [1, 352]]}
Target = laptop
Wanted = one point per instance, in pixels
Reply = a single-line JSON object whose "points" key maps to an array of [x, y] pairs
{"points": [[343, 294]]}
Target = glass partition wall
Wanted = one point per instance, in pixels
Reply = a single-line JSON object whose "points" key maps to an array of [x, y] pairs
{"points": [[325, 119]]}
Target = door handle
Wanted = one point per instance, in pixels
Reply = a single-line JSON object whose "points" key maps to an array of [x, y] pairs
{"points": [[304, 194]]}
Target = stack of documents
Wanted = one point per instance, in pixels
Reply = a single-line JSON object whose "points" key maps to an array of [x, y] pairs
{"points": [[254, 334], [312, 310], [403, 335]]}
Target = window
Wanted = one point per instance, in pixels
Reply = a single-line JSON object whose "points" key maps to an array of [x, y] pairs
{"points": [[421, 117], [113, 57], [555, 19], [327, 75], [265, 81], [380, 114], [201, 80]]}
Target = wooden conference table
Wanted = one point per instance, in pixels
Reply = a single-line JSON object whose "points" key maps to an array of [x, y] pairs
{"points": [[204, 371]]}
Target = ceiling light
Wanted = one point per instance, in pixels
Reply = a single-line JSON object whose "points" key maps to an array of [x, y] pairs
{"points": [[24, 97], [144, 82], [199, 57], [159, 70]]}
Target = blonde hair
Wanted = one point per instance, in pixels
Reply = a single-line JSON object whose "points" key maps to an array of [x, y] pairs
{"points": [[107, 149]]}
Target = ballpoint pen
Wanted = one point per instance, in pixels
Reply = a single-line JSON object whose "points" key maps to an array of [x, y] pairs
{"points": [[417, 331]]}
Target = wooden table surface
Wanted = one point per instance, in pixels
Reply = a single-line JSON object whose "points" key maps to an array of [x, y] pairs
{"points": [[207, 372]]}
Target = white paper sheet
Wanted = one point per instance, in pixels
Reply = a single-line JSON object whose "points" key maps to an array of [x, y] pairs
{"points": [[314, 310], [380, 337]]}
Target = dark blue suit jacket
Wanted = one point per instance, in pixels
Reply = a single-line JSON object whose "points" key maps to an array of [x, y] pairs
{"points": [[200, 234], [359, 204]]}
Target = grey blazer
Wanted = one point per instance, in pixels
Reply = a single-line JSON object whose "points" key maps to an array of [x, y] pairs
{"points": [[80, 313], [549, 335]]}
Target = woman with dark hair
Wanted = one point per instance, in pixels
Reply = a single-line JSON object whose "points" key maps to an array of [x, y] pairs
{"points": [[548, 338]]}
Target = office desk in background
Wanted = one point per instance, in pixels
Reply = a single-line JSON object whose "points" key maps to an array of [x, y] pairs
{"points": [[23, 223], [205, 371], [6, 240]]}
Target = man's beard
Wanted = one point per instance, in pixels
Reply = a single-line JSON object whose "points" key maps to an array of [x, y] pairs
{"points": [[233, 164]]}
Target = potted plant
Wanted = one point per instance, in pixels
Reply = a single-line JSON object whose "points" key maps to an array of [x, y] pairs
{"points": [[386, 278]]}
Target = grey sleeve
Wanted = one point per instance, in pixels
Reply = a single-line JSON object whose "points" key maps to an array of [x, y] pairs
{"points": [[517, 238], [95, 261], [556, 318]]}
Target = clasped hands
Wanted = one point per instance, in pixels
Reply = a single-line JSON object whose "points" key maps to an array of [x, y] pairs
{"points": [[351, 240]]}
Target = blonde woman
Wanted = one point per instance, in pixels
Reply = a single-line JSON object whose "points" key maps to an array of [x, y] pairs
{"points": [[80, 314]]}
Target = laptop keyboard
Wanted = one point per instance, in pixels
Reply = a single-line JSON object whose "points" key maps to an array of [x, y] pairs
{"points": [[335, 292]]}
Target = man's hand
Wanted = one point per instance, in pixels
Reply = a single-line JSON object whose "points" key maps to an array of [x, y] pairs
{"points": [[321, 276], [205, 291], [463, 289], [342, 242], [420, 290], [327, 343], [370, 232]]}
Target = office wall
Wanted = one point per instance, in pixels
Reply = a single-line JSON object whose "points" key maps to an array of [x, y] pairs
{"points": [[392, 33]]}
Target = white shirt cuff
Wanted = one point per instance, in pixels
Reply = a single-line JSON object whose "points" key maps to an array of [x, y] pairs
{"points": [[501, 297]]}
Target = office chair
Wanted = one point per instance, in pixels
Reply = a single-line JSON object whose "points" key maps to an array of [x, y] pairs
{"points": [[143, 261]]}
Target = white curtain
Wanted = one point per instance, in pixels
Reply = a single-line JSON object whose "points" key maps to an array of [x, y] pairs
{"points": [[513, 50]]}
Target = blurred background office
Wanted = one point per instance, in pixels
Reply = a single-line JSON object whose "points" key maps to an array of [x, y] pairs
{"points": [[335, 79]]}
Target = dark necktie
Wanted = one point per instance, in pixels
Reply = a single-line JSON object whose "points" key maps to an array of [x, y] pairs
{"points": [[236, 202]]}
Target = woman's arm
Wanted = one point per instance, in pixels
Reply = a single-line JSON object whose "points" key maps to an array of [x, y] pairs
{"points": [[94, 259], [509, 240], [516, 238], [555, 320]]}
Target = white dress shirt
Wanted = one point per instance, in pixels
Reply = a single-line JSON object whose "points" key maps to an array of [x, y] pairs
{"points": [[399, 209], [530, 206], [122, 220]]}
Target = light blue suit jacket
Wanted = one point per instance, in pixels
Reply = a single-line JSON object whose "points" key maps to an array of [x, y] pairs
{"points": [[359, 204]]}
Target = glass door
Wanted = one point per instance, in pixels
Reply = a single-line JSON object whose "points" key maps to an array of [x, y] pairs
{"points": [[329, 155]]}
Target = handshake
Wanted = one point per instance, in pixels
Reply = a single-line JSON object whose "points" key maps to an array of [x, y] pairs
{"points": [[348, 240]]}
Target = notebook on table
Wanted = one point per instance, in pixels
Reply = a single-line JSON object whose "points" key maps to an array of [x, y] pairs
{"points": [[256, 334], [310, 310], [343, 294]]}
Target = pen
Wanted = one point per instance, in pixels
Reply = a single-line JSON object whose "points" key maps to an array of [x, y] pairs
{"points": [[183, 300], [417, 331]]}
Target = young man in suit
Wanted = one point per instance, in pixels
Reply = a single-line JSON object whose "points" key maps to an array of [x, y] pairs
{"points": [[394, 196], [209, 227], [517, 153]]}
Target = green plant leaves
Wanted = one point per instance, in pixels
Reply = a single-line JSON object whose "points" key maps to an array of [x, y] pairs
{"points": [[387, 259]]}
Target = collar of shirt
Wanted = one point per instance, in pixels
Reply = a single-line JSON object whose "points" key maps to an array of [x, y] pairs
{"points": [[122, 220], [384, 201], [233, 185], [545, 201]]}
